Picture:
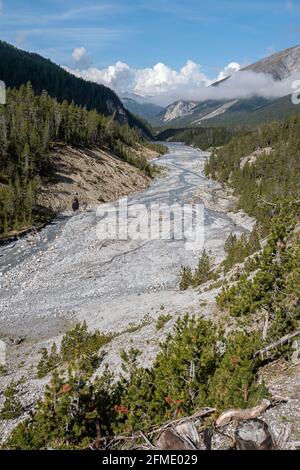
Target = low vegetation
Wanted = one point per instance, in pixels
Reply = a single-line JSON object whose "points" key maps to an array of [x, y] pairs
{"points": [[77, 345], [12, 407], [162, 321], [202, 273], [197, 366], [275, 286], [237, 249]]}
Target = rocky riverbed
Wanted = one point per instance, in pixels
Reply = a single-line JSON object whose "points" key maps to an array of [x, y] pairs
{"points": [[65, 274]]}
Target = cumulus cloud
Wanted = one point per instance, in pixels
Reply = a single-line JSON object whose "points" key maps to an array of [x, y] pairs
{"points": [[155, 81], [81, 58], [230, 69], [166, 85], [119, 76], [162, 79]]}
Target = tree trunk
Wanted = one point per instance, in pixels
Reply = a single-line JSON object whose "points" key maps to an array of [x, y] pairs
{"points": [[254, 435]]}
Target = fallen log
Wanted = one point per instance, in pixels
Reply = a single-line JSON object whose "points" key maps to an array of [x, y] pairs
{"points": [[254, 434], [179, 426], [239, 414], [285, 339], [284, 436]]}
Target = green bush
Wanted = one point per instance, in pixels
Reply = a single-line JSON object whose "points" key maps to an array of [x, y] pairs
{"points": [[162, 320], [48, 362], [234, 382], [186, 278], [237, 249], [12, 407], [200, 275], [275, 287], [196, 366], [79, 345]]}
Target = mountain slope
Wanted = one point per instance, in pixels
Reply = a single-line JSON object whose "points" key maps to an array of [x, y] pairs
{"points": [[19, 67], [140, 106], [178, 109], [280, 65], [272, 110], [248, 110]]}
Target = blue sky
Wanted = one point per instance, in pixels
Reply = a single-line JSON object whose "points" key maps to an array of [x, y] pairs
{"points": [[142, 33]]}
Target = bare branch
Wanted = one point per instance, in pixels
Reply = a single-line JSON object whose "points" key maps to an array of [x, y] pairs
{"points": [[285, 339], [240, 414]]}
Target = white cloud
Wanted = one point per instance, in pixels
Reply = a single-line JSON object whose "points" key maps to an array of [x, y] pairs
{"points": [[119, 76], [243, 84], [81, 57], [154, 81], [166, 85], [229, 70], [161, 78]]}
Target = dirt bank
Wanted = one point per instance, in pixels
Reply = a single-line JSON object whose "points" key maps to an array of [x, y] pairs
{"points": [[96, 175]]}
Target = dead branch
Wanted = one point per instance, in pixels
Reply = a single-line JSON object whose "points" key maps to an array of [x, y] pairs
{"points": [[199, 414], [239, 414], [283, 437], [105, 443], [285, 339], [151, 446], [266, 325], [278, 399], [266, 203]]}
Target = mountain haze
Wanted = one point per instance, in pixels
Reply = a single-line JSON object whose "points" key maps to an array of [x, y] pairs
{"points": [[140, 105], [280, 66]]}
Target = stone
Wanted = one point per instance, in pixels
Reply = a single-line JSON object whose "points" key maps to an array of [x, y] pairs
{"points": [[296, 352]]}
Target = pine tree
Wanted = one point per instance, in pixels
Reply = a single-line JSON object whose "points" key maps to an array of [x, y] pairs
{"points": [[186, 278], [203, 270], [12, 407]]}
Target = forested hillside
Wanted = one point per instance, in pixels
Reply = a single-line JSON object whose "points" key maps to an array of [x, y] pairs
{"points": [[18, 67], [29, 125], [201, 137], [263, 167]]}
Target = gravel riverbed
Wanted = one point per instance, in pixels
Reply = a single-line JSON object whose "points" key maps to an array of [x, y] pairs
{"points": [[65, 273]]}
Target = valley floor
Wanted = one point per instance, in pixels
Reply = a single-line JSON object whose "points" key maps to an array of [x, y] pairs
{"points": [[65, 275]]}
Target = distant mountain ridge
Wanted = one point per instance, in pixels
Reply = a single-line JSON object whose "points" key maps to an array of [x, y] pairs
{"points": [[280, 65], [211, 112], [19, 67], [139, 105]]}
